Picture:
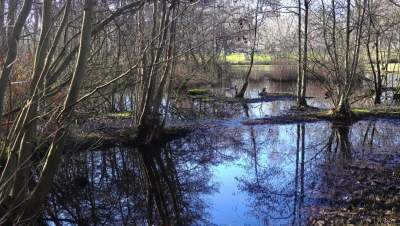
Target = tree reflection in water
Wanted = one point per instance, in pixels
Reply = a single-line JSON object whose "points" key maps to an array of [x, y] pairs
{"points": [[274, 199], [338, 145], [149, 185], [282, 172]]}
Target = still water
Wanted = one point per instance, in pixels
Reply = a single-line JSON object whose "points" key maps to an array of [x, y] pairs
{"points": [[223, 173]]}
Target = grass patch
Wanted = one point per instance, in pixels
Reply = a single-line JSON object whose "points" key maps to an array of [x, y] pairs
{"points": [[197, 92], [244, 58], [123, 114], [236, 58], [392, 67], [360, 110], [376, 112]]}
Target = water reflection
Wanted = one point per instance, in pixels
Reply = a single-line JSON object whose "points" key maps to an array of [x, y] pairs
{"points": [[338, 146], [223, 174], [286, 189], [202, 110], [128, 187], [276, 189], [147, 185]]}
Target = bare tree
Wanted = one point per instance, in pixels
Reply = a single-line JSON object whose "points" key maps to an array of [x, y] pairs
{"points": [[2, 31], [12, 44], [342, 42], [302, 54], [242, 91], [19, 191]]}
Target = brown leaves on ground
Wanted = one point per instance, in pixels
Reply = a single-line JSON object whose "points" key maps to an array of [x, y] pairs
{"points": [[360, 193]]}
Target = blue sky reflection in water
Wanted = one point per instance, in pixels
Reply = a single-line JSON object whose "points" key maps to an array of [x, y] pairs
{"points": [[265, 174], [225, 172], [258, 187]]}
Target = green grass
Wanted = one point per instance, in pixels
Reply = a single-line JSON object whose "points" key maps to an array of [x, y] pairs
{"points": [[360, 110], [197, 92], [384, 111], [393, 67], [124, 114], [243, 58], [236, 58]]}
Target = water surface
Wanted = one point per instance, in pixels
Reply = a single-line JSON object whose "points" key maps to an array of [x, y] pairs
{"points": [[223, 173]]}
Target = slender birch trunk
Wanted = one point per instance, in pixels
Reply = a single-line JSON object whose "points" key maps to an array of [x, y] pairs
{"points": [[299, 50], [303, 86]]}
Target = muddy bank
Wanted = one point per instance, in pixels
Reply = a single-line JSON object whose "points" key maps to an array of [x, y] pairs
{"points": [[110, 131], [109, 137]]}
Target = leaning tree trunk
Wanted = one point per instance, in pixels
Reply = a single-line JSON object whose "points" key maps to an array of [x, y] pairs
{"points": [[242, 91], [12, 45], [20, 190], [38, 196], [23, 130], [13, 34], [2, 32]]}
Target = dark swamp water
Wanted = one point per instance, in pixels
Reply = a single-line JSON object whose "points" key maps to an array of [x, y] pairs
{"points": [[224, 172]]}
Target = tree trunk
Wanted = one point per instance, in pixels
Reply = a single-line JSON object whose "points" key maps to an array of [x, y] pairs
{"points": [[53, 157], [300, 71], [242, 91], [20, 190], [2, 32], [343, 108], [303, 87], [299, 49], [12, 45], [378, 91], [376, 72]]}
